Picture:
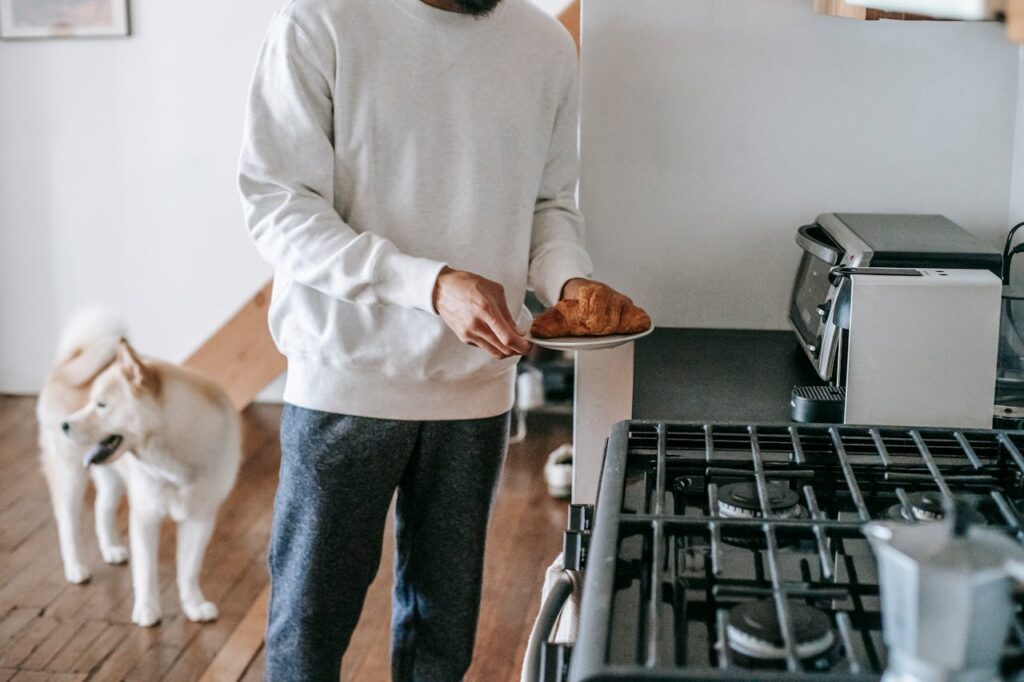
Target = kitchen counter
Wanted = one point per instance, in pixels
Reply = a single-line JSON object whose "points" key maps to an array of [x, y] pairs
{"points": [[718, 375]]}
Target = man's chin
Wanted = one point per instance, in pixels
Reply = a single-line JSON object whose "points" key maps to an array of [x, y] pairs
{"points": [[478, 8]]}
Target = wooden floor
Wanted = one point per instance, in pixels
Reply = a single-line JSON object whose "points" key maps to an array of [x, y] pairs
{"points": [[50, 630]]}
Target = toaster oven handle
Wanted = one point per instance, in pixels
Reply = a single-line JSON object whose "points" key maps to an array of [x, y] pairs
{"points": [[815, 247], [836, 274]]}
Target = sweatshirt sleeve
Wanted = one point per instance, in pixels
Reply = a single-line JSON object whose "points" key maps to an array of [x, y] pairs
{"points": [[286, 178], [556, 245]]}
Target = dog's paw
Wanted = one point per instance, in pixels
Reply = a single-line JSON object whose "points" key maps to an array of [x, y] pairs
{"points": [[146, 614], [115, 554], [76, 573], [201, 612]]}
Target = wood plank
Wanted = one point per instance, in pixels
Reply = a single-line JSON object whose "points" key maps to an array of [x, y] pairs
{"points": [[254, 673], [30, 676], [196, 656], [28, 519], [34, 676], [40, 583], [1015, 20], [241, 355], [839, 8], [30, 637], [13, 622], [133, 648], [101, 648], [19, 454], [109, 586], [39, 550], [152, 665], [87, 635], [245, 642], [49, 647]]}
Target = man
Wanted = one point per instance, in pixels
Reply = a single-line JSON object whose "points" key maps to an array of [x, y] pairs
{"points": [[409, 168]]}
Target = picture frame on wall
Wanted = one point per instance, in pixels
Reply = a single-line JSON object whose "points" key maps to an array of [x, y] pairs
{"points": [[63, 18]]}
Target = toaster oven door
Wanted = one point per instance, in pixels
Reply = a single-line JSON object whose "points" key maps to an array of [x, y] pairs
{"points": [[810, 303]]}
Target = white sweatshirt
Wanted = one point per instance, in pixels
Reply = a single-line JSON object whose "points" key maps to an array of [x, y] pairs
{"points": [[384, 140]]}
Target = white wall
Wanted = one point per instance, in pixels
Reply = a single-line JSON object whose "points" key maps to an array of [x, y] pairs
{"points": [[117, 167], [712, 129], [553, 7], [1017, 185]]}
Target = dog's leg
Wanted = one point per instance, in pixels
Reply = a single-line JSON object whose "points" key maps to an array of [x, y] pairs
{"points": [[67, 493], [109, 490], [193, 536], [144, 535]]}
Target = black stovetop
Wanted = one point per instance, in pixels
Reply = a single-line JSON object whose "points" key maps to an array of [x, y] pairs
{"points": [[735, 551]]}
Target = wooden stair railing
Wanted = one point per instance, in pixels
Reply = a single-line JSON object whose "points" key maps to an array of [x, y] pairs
{"points": [[241, 355], [1015, 21], [570, 18], [850, 10]]}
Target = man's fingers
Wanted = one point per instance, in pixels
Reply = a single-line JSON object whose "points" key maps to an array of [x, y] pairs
{"points": [[483, 343], [509, 337], [484, 329], [503, 307], [504, 329]]}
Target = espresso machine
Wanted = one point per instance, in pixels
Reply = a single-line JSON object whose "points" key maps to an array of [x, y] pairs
{"points": [[899, 315]]}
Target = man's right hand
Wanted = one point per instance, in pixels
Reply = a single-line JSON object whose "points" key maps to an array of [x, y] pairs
{"points": [[475, 309]]}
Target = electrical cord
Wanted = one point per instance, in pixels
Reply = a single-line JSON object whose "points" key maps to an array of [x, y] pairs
{"points": [[1013, 335], [1009, 253]]}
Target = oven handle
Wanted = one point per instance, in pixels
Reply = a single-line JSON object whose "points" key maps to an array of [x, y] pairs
{"points": [[558, 595], [816, 248]]}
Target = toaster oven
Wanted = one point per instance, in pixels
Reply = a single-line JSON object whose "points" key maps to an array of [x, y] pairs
{"points": [[862, 240]]}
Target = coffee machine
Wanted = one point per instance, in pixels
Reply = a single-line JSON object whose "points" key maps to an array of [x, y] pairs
{"points": [[900, 316]]}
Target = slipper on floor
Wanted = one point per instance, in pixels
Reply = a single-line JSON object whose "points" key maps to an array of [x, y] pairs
{"points": [[558, 472]]}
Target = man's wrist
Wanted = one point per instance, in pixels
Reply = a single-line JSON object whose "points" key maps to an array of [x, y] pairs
{"points": [[437, 286]]}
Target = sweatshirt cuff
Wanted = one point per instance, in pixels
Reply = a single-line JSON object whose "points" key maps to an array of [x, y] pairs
{"points": [[551, 281], [408, 281]]}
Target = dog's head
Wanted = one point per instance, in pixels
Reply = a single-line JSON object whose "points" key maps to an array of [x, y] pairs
{"points": [[121, 409]]}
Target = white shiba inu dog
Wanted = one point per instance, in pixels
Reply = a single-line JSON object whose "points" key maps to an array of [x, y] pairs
{"points": [[169, 433]]}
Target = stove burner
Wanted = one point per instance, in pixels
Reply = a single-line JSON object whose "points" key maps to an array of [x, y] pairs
{"points": [[755, 635], [740, 501], [927, 506]]}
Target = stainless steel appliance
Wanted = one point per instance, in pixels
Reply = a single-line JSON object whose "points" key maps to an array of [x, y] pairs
{"points": [[862, 240], [901, 312], [737, 551]]}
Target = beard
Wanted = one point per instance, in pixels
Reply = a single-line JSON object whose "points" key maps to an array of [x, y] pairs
{"points": [[477, 8]]}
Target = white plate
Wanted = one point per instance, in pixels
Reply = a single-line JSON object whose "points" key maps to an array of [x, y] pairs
{"points": [[588, 342]]}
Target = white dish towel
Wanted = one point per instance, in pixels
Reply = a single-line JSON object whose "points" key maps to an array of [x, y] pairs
{"points": [[568, 623]]}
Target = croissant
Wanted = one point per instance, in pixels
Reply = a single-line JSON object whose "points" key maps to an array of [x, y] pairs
{"points": [[596, 311]]}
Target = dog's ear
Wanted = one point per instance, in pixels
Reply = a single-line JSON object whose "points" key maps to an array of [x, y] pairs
{"points": [[140, 376]]}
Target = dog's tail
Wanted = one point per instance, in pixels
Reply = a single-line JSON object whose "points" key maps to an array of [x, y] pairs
{"points": [[88, 344]]}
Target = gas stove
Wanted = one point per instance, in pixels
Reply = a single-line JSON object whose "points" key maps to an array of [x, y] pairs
{"points": [[723, 552]]}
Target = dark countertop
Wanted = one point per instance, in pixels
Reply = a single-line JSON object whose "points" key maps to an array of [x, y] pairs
{"points": [[718, 375]]}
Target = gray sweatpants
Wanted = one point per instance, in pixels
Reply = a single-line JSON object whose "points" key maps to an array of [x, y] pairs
{"points": [[338, 475]]}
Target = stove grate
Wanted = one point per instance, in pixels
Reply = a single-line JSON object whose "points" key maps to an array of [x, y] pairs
{"points": [[666, 566]]}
